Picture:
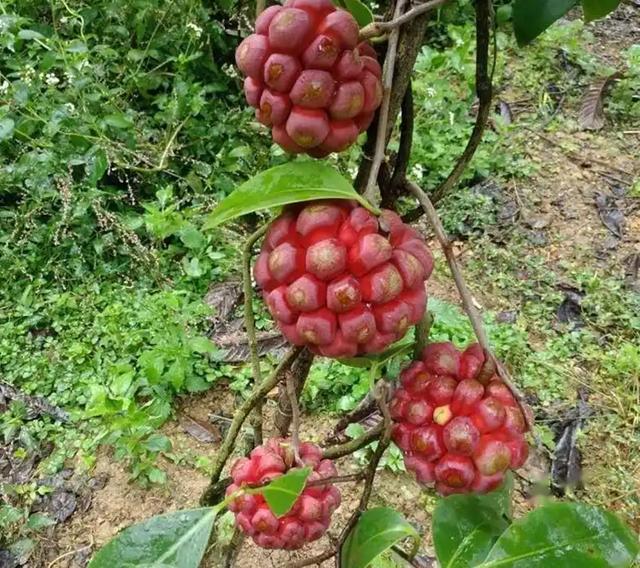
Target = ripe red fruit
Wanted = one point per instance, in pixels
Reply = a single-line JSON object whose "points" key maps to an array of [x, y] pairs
{"points": [[471, 433], [310, 515], [333, 281], [308, 78]]}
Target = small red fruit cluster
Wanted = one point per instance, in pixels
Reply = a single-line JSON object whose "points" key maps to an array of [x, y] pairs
{"points": [[342, 281], [456, 422], [311, 514], [308, 77]]}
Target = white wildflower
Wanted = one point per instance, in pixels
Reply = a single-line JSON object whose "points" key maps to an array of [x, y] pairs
{"points": [[27, 74], [196, 29], [51, 79], [417, 171], [229, 70], [70, 108], [64, 20], [4, 87], [430, 92]]}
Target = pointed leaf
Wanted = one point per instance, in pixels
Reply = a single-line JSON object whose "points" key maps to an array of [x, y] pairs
{"points": [[465, 527], [565, 535], [359, 11], [290, 183], [6, 128], [283, 492], [176, 539], [377, 530], [595, 9], [532, 17]]}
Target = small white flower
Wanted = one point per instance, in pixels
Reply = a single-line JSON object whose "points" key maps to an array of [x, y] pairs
{"points": [[70, 108], [51, 79], [4, 87], [196, 29], [417, 171], [229, 70], [27, 74], [64, 20], [431, 92]]}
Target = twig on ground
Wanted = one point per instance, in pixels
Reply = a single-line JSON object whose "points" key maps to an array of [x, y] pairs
{"points": [[484, 92], [465, 295], [383, 115], [316, 560], [259, 392], [376, 29], [295, 416], [71, 552], [341, 450]]}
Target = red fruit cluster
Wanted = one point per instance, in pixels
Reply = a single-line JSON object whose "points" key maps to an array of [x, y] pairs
{"points": [[308, 78], [456, 422], [342, 281], [311, 514]]}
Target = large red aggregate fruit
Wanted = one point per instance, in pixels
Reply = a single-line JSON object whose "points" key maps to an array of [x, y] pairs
{"points": [[311, 514], [342, 281], [456, 422], [308, 78]]}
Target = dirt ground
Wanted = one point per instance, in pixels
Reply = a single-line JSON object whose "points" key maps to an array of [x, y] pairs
{"points": [[559, 201]]}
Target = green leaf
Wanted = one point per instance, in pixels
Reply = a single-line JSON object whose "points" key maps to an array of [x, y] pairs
{"points": [[202, 345], [290, 183], [191, 237], [96, 166], [595, 9], [158, 443], [30, 34], [39, 521], [282, 492], [156, 475], [118, 121], [465, 527], [6, 128], [176, 539], [532, 17], [377, 530], [359, 11], [565, 535]]}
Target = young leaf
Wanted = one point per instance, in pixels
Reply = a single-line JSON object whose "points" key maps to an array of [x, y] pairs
{"points": [[359, 11], [282, 492], [289, 183], [465, 527], [532, 17], [565, 535], [377, 530], [595, 9], [176, 539]]}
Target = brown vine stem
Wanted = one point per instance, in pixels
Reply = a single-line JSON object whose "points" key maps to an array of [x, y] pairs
{"points": [[259, 392], [341, 450], [250, 327], [465, 295], [484, 92], [295, 415], [375, 29], [383, 115]]}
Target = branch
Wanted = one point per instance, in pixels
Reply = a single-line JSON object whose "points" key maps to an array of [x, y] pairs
{"points": [[376, 29], [299, 371], [465, 295], [484, 92], [341, 450], [295, 416], [383, 116], [259, 392], [250, 326]]}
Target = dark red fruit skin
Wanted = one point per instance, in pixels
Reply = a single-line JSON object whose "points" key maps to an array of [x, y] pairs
{"points": [[305, 56], [328, 276], [310, 515], [474, 430]]}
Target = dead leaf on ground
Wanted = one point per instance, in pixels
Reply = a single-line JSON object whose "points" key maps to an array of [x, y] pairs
{"points": [[234, 347], [592, 110], [610, 215], [200, 431], [505, 112], [570, 310], [223, 297], [632, 272]]}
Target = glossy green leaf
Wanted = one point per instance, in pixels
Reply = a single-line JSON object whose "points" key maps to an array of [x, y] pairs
{"points": [[595, 9], [359, 11], [96, 166], [565, 535], [176, 539], [532, 17], [465, 527], [290, 183], [282, 492], [377, 530]]}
